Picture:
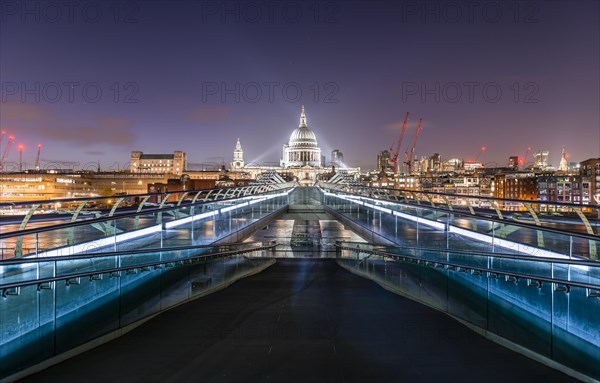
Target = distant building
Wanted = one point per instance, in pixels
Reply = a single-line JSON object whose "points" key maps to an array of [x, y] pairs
{"points": [[470, 166], [513, 162], [564, 164], [541, 159], [238, 156], [435, 163], [337, 157], [385, 162], [591, 168], [301, 161], [48, 185], [452, 165], [566, 188], [175, 163], [574, 166], [186, 183], [521, 186]]}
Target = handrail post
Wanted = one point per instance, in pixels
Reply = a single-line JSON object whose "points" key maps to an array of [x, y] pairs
{"points": [[447, 231], [115, 233], [417, 228], [493, 236], [570, 247], [192, 231]]}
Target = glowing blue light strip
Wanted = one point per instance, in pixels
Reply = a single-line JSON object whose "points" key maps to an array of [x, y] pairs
{"points": [[529, 250], [98, 243], [421, 221]]}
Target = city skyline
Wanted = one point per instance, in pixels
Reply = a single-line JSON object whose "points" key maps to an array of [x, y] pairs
{"points": [[300, 190], [270, 158], [196, 77]]}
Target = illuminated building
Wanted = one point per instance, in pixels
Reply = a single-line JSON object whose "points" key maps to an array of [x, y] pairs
{"points": [[566, 188], [301, 159], [302, 148], [541, 160], [337, 157], [238, 156], [591, 168], [174, 163], [516, 186], [385, 162], [17, 187]]}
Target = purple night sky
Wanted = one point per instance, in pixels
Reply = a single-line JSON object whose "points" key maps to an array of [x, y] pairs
{"points": [[164, 69]]}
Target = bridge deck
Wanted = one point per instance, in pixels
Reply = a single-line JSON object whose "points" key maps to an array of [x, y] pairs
{"points": [[301, 320]]}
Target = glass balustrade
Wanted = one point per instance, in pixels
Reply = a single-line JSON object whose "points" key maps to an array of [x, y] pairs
{"points": [[49, 306], [549, 306]]}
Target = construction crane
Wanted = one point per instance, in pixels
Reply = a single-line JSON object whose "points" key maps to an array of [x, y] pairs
{"points": [[524, 162], [37, 158], [481, 150], [21, 147], [11, 139], [395, 153], [2, 139], [409, 157]]}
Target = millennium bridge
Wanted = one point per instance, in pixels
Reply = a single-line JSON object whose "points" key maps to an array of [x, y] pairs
{"points": [[273, 282]]}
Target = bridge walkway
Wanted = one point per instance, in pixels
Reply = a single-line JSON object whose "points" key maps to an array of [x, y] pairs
{"points": [[301, 320]]}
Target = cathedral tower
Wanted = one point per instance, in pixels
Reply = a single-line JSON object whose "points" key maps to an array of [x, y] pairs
{"points": [[238, 156]]}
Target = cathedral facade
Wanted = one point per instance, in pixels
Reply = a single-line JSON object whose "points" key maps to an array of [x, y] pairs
{"points": [[302, 148], [301, 158]]}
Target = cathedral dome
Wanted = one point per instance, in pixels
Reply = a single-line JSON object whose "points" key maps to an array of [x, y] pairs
{"points": [[302, 136], [302, 149]]}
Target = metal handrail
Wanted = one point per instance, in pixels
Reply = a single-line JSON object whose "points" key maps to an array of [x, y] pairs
{"points": [[13, 285], [489, 218], [481, 269], [565, 204], [578, 262], [21, 260], [111, 218], [101, 198]]}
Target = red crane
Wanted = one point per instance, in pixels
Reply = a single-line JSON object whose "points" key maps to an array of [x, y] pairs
{"points": [[21, 147], [481, 150], [395, 153], [6, 150], [409, 157], [2, 134], [37, 159], [524, 162]]}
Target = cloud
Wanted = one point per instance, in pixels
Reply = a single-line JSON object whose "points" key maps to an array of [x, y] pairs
{"points": [[102, 130], [396, 126], [209, 115], [47, 125], [94, 153], [17, 113]]}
